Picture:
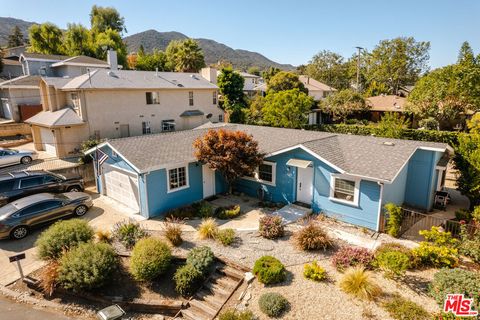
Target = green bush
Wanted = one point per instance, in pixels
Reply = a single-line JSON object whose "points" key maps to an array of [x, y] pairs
{"points": [[232, 314], [314, 272], [187, 280], [228, 212], [186, 212], [394, 220], [452, 281], [470, 245], [312, 237], [203, 209], [273, 304], [438, 251], [271, 227], [402, 309], [463, 214], [225, 236], [269, 270], [201, 258], [150, 258], [393, 263], [128, 233], [88, 266], [63, 236]]}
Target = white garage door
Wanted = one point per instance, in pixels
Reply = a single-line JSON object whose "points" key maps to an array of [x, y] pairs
{"points": [[48, 141], [121, 186]]}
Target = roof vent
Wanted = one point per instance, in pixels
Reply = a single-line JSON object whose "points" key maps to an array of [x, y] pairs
{"points": [[111, 74], [388, 143], [180, 85], [193, 76]]}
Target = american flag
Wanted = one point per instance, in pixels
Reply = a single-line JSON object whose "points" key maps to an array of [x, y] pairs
{"points": [[101, 158]]}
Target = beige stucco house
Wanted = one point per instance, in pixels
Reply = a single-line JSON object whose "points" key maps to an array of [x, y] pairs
{"points": [[120, 103]]}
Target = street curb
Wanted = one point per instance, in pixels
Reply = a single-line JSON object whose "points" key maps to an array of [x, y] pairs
{"points": [[24, 297]]}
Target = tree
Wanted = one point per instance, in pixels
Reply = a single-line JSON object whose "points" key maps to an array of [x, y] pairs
{"points": [[392, 124], [376, 88], [110, 39], [222, 64], [234, 154], [343, 103], [77, 40], [398, 62], [285, 80], [473, 124], [466, 56], [330, 68], [230, 84], [254, 70], [288, 109], [153, 61], [15, 38], [104, 18], [269, 73], [254, 114], [467, 162], [45, 38], [185, 56]]}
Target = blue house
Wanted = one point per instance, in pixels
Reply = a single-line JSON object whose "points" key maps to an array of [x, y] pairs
{"points": [[347, 177]]}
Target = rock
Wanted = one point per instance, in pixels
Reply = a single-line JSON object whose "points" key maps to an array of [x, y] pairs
{"points": [[247, 297], [249, 277]]}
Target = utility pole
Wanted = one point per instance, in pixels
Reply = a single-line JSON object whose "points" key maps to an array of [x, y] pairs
{"points": [[358, 68]]}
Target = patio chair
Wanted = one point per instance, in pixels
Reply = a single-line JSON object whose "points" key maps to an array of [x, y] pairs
{"points": [[441, 200]]}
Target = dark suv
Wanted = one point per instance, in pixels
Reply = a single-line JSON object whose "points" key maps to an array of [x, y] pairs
{"points": [[15, 185]]}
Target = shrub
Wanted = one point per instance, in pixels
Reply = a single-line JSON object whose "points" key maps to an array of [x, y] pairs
{"points": [[187, 280], [172, 228], [228, 212], [402, 309], [314, 272], [186, 212], [226, 236], [208, 229], [394, 220], [63, 236], [103, 236], [128, 233], [351, 257], [448, 281], [393, 263], [273, 304], [88, 266], [271, 227], [232, 314], [358, 282], [269, 270], [203, 209], [150, 258], [436, 256], [201, 258], [312, 237], [49, 277], [470, 245], [463, 214]]}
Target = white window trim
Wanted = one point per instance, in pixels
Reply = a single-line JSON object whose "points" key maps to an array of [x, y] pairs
{"points": [[186, 177], [356, 195], [256, 175]]}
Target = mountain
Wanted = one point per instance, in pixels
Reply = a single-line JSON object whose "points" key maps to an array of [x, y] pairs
{"points": [[213, 51], [6, 26]]}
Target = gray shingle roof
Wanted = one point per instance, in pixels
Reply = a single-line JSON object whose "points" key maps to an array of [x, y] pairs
{"points": [[53, 57], [81, 60], [377, 158], [22, 81], [128, 79], [62, 117]]}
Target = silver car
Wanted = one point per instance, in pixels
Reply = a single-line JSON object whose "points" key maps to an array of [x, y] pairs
{"points": [[10, 156]]}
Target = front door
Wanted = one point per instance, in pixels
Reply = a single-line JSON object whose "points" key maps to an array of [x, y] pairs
{"points": [[208, 181], [124, 131], [305, 185]]}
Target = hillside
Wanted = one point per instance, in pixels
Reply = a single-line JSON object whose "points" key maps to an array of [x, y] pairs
{"points": [[6, 26], [213, 51]]}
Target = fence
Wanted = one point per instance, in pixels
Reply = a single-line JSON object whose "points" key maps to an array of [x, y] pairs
{"points": [[413, 222]]}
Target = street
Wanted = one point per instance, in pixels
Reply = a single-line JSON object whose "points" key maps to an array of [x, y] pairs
{"points": [[12, 310]]}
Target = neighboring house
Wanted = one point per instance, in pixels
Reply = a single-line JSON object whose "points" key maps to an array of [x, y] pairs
{"points": [[347, 177], [318, 91], [251, 81], [20, 98], [381, 104], [11, 69], [119, 103]]}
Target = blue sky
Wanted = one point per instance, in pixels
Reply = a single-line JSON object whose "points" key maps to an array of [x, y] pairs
{"points": [[284, 31]]}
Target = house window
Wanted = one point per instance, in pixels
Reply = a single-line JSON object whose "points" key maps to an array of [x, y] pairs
{"points": [[75, 100], [345, 190], [177, 179], [214, 97], [146, 127], [190, 98], [220, 118], [265, 173], [168, 125], [152, 97]]}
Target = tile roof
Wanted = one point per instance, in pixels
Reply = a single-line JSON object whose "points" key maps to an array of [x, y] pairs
{"points": [[62, 117], [314, 85], [129, 79], [376, 158], [390, 103]]}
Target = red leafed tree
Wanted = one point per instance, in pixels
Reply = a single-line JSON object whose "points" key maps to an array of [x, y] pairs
{"points": [[233, 153]]}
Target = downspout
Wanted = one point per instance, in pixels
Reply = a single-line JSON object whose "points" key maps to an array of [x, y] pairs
{"points": [[380, 204], [145, 187]]}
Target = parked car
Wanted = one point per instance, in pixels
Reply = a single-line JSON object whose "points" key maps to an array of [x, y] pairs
{"points": [[19, 217], [15, 185], [10, 156]]}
